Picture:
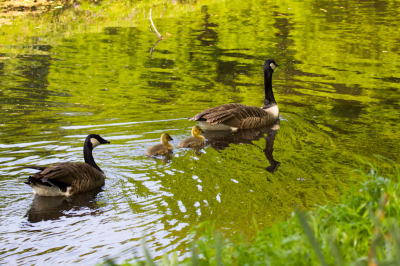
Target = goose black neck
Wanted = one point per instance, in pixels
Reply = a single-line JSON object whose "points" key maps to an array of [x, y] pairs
{"points": [[269, 95], [87, 154]]}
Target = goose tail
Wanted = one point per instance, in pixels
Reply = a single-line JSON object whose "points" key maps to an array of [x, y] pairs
{"points": [[33, 181], [41, 168], [48, 188]]}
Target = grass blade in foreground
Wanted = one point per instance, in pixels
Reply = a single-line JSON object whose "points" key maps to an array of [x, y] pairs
{"points": [[308, 231], [344, 234]]}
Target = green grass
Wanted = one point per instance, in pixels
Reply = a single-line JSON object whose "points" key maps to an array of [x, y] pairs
{"points": [[362, 230]]}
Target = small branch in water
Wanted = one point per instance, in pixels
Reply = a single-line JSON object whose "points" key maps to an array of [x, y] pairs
{"points": [[155, 31], [154, 27]]}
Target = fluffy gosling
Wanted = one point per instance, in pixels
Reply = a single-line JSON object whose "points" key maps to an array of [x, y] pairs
{"points": [[163, 149], [196, 141]]}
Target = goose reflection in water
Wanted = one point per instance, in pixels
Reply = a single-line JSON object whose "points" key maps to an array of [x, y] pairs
{"points": [[221, 139], [44, 209]]}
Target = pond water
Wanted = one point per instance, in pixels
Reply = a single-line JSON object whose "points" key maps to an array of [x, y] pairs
{"points": [[337, 87]]}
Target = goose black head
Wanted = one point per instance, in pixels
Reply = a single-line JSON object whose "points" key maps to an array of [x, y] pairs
{"points": [[94, 140], [270, 65]]}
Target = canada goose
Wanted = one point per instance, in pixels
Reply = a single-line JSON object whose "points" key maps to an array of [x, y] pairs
{"points": [[67, 179], [196, 141], [164, 148], [236, 116]]}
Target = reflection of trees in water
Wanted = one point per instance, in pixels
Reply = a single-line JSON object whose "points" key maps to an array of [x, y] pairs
{"points": [[52, 208], [285, 40], [30, 74], [226, 72], [26, 84], [207, 36], [2, 64]]}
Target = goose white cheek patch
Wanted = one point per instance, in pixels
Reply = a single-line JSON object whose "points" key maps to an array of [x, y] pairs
{"points": [[94, 142], [272, 65]]}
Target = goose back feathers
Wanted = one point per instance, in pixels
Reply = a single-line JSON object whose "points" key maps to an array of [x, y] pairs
{"points": [[236, 116], [67, 179]]}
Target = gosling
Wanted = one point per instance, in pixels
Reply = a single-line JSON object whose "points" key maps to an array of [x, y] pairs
{"points": [[163, 149], [196, 141]]}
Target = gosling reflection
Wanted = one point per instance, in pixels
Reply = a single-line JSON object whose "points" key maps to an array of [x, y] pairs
{"points": [[220, 140], [43, 209]]}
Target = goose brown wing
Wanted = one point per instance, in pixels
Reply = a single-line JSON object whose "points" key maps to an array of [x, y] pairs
{"points": [[241, 116], [220, 109], [69, 173]]}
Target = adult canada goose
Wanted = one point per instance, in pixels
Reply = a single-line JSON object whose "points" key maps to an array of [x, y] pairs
{"points": [[236, 116], [196, 141], [164, 148], [67, 179]]}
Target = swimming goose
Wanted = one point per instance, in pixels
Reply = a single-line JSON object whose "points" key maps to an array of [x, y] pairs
{"points": [[164, 148], [196, 141], [236, 116], [67, 179]]}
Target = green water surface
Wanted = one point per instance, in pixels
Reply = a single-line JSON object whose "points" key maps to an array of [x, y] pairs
{"points": [[80, 71]]}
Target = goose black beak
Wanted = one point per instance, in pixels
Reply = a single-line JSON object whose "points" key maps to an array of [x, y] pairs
{"points": [[105, 142]]}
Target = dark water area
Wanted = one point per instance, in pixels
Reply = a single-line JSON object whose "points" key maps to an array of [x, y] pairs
{"points": [[337, 87]]}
